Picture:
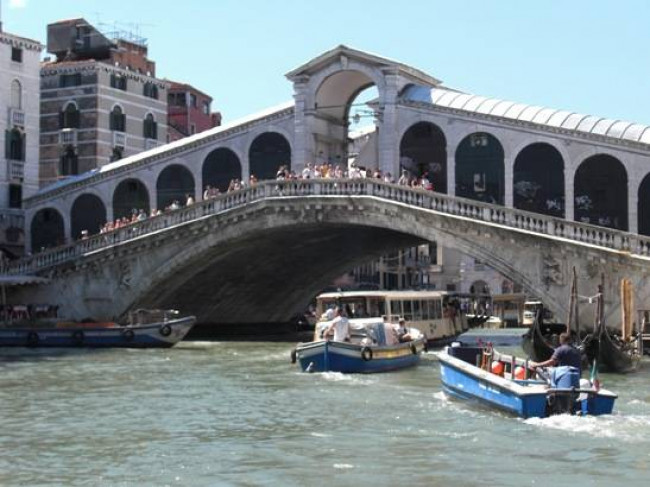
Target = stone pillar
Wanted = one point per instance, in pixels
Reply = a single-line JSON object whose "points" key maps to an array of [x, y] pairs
{"points": [[569, 197], [388, 146], [632, 205], [303, 151], [451, 169], [508, 164]]}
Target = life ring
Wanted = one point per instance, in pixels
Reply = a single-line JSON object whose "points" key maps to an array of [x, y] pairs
{"points": [[32, 339], [293, 356], [165, 330], [78, 337], [414, 349], [128, 335], [366, 354]]}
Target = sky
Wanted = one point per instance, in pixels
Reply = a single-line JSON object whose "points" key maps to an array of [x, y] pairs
{"points": [[588, 56]]}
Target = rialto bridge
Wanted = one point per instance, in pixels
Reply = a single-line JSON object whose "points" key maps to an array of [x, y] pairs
{"points": [[530, 190]]}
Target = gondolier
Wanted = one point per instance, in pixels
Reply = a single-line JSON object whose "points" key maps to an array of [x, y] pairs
{"points": [[566, 361]]}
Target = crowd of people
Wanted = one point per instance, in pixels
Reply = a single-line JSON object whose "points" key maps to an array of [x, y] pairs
{"points": [[310, 171]]}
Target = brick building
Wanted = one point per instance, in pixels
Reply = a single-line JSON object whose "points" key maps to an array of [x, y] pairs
{"points": [[189, 111]]}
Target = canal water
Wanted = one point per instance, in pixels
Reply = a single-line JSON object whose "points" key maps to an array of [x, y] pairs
{"points": [[210, 413]]}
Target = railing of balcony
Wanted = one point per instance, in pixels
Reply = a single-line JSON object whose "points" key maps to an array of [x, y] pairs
{"points": [[575, 232]]}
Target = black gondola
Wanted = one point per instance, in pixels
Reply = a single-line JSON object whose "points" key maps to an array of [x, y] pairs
{"points": [[612, 354], [535, 342]]}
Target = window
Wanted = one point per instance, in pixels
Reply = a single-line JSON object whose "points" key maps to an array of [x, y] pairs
{"points": [[118, 119], [17, 54], [15, 196], [396, 308], [192, 100], [118, 81], [150, 90], [150, 127], [118, 153], [192, 129], [206, 108], [15, 145], [16, 94], [176, 99], [67, 80], [69, 117], [69, 163]]}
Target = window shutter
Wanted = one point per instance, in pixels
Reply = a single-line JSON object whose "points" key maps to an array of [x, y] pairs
{"points": [[61, 120], [123, 119], [75, 119], [23, 146], [8, 144]]}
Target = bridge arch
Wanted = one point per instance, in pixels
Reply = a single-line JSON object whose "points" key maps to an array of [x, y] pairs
{"points": [[480, 168], [538, 180], [643, 206], [423, 147], [601, 189], [88, 213], [219, 167], [131, 194], [268, 151], [47, 229], [175, 182]]}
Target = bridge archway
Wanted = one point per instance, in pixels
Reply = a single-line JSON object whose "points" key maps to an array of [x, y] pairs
{"points": [[423, 148], [267, 153], [47, 229], [600, 188], [220, 167], [88, 213], [644, 206], [131, 194], [480, 168], [174, 183], [538, 180]]}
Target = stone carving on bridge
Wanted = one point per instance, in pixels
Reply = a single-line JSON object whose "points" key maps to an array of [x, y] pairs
{"points": [[553, 270], [124, 279]]}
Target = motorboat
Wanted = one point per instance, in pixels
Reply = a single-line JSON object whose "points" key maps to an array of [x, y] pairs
{"points": [[505, 382], [373, 347], [145, 329]]}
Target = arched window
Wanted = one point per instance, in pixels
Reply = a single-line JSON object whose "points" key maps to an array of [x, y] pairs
{"points": [[268, 152], [150, 90], [69, 117], [220, 167], [16, 95], [174, 184], [47, 229], [480, 168], [538, 180], [69, 162], [150, 127], [423, 149], [88, 213], [15, 141], [118, 119]]}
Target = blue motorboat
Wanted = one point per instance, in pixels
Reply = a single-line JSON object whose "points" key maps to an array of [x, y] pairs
{"points": [[372, 348], [469, 373], [164, 333]]}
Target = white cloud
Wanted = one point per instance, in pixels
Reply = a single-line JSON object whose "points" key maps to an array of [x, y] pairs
{"points": [[17, 3]]}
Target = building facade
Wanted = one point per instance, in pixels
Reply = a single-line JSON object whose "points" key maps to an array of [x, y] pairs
{"points": [[19, 106], [189, 111], [100, 100]]}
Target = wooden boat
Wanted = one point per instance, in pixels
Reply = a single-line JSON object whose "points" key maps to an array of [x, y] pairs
{"points": [[164, 333], [537, 343], [372, 348], [462, 376]]}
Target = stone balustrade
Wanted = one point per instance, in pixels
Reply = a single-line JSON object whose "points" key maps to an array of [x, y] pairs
{"points": [[572, 232]]}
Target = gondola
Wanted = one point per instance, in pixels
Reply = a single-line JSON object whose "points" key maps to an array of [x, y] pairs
{"points": [[612, 354], [535, 342]]}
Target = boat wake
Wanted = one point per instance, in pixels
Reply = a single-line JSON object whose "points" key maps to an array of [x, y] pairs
{"points": [[632, 428], [353, 378]]}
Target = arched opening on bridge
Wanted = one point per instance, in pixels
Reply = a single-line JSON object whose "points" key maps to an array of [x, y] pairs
{"points": [[175, 183], [130, 195], [423, 149], [361, 120], [47, 229], [268, 152], [538, 180], [220, 167], [88, 214], [600, 188], [644, 206], [480, 168]]}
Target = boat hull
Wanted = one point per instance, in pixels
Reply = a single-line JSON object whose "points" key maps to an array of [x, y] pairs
{"points": [[155, 335], [328, 356]]}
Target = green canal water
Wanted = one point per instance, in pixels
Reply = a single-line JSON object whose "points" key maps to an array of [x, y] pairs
{"points": [[211, 414]]}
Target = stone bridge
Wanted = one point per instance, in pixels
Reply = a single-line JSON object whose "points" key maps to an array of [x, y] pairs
{"points": [[260, 254]]}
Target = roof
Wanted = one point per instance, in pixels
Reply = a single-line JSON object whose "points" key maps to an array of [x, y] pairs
{"points": [[342, 50], [549, 117], [178, 86], [380, 294], [21, 38]]}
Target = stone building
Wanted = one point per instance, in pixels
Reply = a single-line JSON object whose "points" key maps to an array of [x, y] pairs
{"points": [[189, 111], [100, 100], [19, 105]]}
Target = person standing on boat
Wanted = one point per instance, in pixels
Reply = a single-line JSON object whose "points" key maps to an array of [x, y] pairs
{"points": [[340, 327], [566, 362]]}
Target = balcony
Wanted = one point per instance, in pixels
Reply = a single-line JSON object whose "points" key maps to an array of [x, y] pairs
{"points": [[150, 143], [15, 171], [119, 139], [16, 117], [68, 137]]}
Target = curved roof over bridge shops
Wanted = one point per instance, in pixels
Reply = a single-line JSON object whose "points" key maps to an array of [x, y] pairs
{"points": [[559, 119], [164, 150]]}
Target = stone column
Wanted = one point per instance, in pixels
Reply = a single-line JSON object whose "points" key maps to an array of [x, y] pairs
{"points": [[569, 197], [632, 204], [508, 164], [303, 151], [388, 146], [451, 169]]}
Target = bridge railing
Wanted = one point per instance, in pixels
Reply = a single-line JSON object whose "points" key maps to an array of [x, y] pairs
{"points": [[428, 200]]}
